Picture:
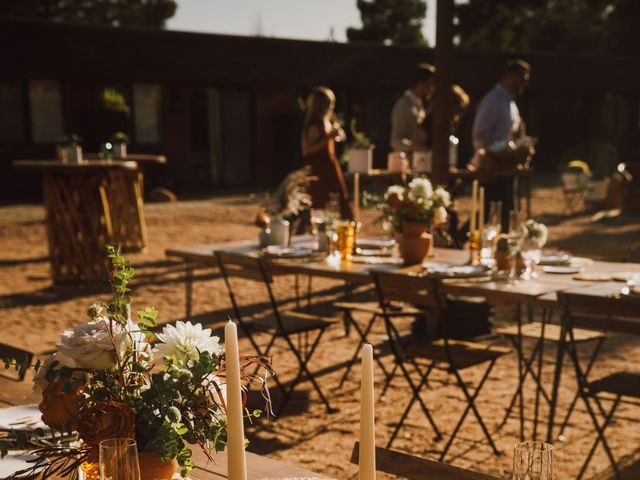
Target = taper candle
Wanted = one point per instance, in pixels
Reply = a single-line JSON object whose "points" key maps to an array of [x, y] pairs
{"points": [[367, 452], [481, 211], [356, 197], [474, 206], [236, 462]]}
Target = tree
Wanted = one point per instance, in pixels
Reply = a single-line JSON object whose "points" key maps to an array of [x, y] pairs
{"points": [[115, 13], [563, 25], [390, 22]]}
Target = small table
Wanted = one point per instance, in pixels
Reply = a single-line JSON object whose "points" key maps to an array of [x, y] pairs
{"points": [[89, 206]]}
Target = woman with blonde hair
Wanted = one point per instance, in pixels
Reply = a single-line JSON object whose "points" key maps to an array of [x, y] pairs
{"points": [[319, 134]]}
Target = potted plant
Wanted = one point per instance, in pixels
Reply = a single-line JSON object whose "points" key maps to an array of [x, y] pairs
{"points": [[69, 150], [119, 141], [413, 210], [106, 381], [359, 151]]}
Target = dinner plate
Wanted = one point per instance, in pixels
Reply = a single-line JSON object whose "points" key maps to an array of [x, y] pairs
{"points": [[15, 461], [374, 252], [376, 260], [286, 252], [455, 271], [22, 417], [557, 258], [375, 243], [561, 269]]}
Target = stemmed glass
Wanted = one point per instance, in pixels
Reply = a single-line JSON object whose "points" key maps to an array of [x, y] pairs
{"points": [[514, 239], [533, 461], [119, 459], [490, 233]]}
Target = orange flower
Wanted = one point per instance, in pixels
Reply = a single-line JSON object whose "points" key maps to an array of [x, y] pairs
{"points": [[106, 420], [394, 201], [59, 408]]}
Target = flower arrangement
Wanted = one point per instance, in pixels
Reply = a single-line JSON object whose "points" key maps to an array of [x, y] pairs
{"points": [[103, 382], [120, 137], [289, 200], [535, 235], [418, 202]]}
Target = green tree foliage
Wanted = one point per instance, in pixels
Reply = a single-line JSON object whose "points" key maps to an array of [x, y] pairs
{"points": [[604, 26], [115, 13], [390, 22]]}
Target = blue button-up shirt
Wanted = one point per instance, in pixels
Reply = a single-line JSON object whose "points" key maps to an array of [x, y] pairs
{"points": [[497, 119]]}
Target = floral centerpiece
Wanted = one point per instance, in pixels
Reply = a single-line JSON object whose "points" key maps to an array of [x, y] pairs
{"points": [[535, 235], [108, 380], [413, 210]]}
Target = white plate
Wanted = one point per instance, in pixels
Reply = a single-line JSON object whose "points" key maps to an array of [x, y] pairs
{"points": [[22, 417], [455, 271], [555, 259], [560, 269], [16, 461], [286, 252], [375, 243]]}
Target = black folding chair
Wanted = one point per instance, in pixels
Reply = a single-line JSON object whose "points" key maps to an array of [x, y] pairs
{"points": [[623, 316], [446, 354], [280, 324], [374, 313], [542, 332]]}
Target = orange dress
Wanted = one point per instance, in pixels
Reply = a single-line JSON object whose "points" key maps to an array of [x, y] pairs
{"points": [[324, 165]]}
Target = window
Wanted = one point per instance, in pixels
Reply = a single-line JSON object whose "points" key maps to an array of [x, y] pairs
{"points": [[147, 107], [45, 102], [11, 113]]}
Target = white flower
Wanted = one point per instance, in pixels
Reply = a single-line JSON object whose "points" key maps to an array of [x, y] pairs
{"points": [[185, 342], [421, 187], [536, 234], [397, 189], [39, 380], [439, 215], [443, 196], [89, 345], [133, 340]]}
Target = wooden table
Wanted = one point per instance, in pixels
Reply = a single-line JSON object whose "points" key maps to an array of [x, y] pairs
{"points": [[258, 468], [88, 206]]}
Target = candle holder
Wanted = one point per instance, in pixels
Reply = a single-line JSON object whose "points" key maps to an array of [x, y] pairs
{"points": [[474, 247]]}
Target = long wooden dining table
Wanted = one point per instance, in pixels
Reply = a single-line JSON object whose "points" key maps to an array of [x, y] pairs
{"points": [[540, 292]]}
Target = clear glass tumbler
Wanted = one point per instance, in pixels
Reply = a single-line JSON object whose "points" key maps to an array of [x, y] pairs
{"points": [[119, 459], [533, 461]]}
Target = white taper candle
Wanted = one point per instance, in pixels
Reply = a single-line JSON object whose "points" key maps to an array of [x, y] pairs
{"points": [[236, 462]]}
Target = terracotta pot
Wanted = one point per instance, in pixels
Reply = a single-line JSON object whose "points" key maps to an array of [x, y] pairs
{"points": [[415, 243], [502, 260], [153, 468]]}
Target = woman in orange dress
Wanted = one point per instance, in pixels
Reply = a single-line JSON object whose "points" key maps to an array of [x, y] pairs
{"points": [[319, 135]]}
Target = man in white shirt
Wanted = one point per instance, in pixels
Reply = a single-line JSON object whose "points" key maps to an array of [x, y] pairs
{"points": [[409, 112], [497, 119]]}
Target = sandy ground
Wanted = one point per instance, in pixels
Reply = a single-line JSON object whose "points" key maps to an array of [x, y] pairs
{"points": [[33, 312]]}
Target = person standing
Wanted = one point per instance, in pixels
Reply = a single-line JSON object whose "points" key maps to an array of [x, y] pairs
{"points": [[319, 134], [409, 112], [499, 135]]}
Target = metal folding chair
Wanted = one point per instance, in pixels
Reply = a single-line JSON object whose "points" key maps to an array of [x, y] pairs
{"points": [[542, 332], [281, 324], [445, 354], [623, 316]]}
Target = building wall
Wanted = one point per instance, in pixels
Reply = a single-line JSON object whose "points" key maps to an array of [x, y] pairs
{"points": [[225, 110]]}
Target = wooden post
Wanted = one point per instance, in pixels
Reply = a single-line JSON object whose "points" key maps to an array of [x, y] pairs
{"points": [[442, 98]]}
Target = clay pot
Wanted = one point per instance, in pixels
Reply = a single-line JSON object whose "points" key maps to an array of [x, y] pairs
{"points": [[153, 468], [502, 260], [415, 243]]}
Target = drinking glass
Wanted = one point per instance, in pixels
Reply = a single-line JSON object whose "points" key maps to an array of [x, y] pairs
{"points": [[119, 459], [533, 461], [346, 238], [489, 235], [514, 239]]}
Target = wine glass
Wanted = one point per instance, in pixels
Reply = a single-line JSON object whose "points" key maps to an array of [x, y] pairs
{"points": [[119, 459], [533, 461], [489, 234]]}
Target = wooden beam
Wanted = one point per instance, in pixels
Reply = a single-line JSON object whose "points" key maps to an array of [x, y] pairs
{"points": [[442, 99]]}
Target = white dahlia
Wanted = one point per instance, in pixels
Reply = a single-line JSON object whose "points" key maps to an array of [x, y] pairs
{"points": [[186, 342]]}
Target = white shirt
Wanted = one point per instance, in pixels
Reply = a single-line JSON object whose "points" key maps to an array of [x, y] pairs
{"points": [[497, 119], [407, 114]]}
